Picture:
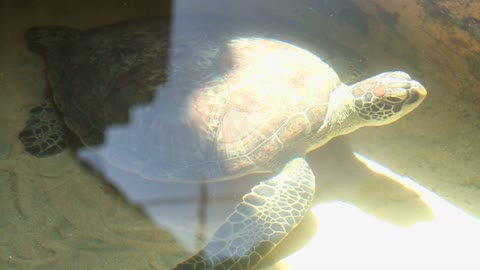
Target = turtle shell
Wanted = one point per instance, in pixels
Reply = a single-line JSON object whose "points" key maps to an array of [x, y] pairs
{"points": [[193, 107]]}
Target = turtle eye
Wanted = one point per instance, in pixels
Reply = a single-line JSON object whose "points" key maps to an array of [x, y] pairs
{"points": [[394, 99]]}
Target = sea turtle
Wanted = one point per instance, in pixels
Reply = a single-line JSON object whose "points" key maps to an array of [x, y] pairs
{"points": [[207, 106]]}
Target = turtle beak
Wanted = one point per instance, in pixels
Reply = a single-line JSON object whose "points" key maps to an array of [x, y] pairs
{"points": [[417, 93]]}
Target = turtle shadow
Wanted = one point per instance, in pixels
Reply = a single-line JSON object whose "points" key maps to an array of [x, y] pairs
{"points": [[343, 177], [340, 176]]}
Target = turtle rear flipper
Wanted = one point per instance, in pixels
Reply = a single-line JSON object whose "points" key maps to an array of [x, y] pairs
{"points": [[41, 39], [45, 133], [260, 222]]}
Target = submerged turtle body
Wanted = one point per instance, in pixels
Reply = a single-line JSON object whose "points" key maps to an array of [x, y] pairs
{"points": [[208, 108]]}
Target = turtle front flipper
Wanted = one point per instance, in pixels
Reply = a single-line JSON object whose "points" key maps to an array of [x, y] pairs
{"points": [[260, 222], [45, 133]]}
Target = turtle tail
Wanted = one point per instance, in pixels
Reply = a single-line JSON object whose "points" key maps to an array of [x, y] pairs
{"points": [[41, 39]]}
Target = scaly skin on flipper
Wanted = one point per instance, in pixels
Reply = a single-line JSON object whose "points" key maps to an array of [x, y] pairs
{"points": [[262, 220], [45, 133]]}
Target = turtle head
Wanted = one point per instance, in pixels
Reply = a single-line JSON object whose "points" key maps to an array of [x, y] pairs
{"points": [[386, 97]]}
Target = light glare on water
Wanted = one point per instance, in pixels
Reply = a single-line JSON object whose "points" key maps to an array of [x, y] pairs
{"points": [[348, 238]]}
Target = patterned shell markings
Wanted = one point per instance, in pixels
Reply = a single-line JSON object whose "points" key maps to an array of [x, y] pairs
{"points": [[275, 94]]}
